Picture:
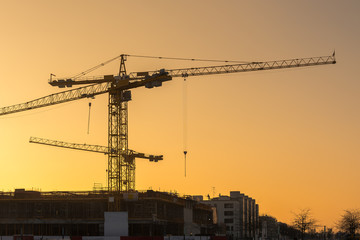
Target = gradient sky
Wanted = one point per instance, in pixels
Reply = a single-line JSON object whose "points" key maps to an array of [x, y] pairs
{"points": [[288, 138]]}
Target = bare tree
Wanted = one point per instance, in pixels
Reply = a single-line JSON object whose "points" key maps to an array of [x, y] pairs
{"points": [[350, 222], [304, 221]]}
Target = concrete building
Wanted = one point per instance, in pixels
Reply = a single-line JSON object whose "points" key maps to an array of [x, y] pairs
{"points": [[147, 213], [238, 213], [269, 228]]}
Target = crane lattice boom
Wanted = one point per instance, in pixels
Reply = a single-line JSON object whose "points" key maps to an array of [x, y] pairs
{"points": [[56, 98], [138, 79], [199, 71], [93, 148]]}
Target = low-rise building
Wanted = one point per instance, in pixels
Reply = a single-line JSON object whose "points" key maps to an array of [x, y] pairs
{"points": [[147, 213], [269, 228], [238, 213]]}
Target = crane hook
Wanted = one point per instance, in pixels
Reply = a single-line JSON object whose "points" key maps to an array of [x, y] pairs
{"points": [[89, 118], [185, 119], [185, 152]]}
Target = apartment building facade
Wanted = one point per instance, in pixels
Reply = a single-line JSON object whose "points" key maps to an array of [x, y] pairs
{"points": [[238, 213]]}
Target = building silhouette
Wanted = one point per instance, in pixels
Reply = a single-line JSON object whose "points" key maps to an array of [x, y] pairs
{"points": [[148, 213], [238, 213]]}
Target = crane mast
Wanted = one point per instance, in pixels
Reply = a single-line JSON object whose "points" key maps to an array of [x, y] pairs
{"points": [[121, 173], [121, 170]]}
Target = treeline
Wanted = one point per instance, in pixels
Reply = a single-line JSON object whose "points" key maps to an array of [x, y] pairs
{"points": [[305, 227]]}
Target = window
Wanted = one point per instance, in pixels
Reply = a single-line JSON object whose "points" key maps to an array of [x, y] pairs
{"points": [[228, 220], [228, 205], [228, 213]]}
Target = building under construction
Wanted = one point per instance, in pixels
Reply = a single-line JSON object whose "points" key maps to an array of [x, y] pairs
{"points": [[149, 213]]}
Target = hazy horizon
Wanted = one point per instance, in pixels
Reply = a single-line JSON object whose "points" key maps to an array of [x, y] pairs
{"points": [[287, 138]]}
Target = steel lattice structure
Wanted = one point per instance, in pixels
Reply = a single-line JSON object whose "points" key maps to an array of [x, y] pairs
{"points": [[121, 170], [93, 148]]}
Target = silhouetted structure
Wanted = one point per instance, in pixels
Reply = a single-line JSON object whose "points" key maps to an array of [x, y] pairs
{"points": [[271, 229], [150, 213], [121, 168], [239, 213]]}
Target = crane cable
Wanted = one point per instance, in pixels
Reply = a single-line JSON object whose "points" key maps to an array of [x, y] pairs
{"points": [[88, 130], [185, 120], [157, 57], [189, 59], [95, 67]]}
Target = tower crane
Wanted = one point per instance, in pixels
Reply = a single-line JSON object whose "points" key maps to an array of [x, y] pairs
{"points": [[121, 173]]}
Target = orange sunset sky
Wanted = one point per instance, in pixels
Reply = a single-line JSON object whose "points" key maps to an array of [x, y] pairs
{"points": [[288, 138]]}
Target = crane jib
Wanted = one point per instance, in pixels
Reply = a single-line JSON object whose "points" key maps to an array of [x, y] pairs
{"points": [[144, 77], [255, 66], [93, 148], [102, 85]]}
